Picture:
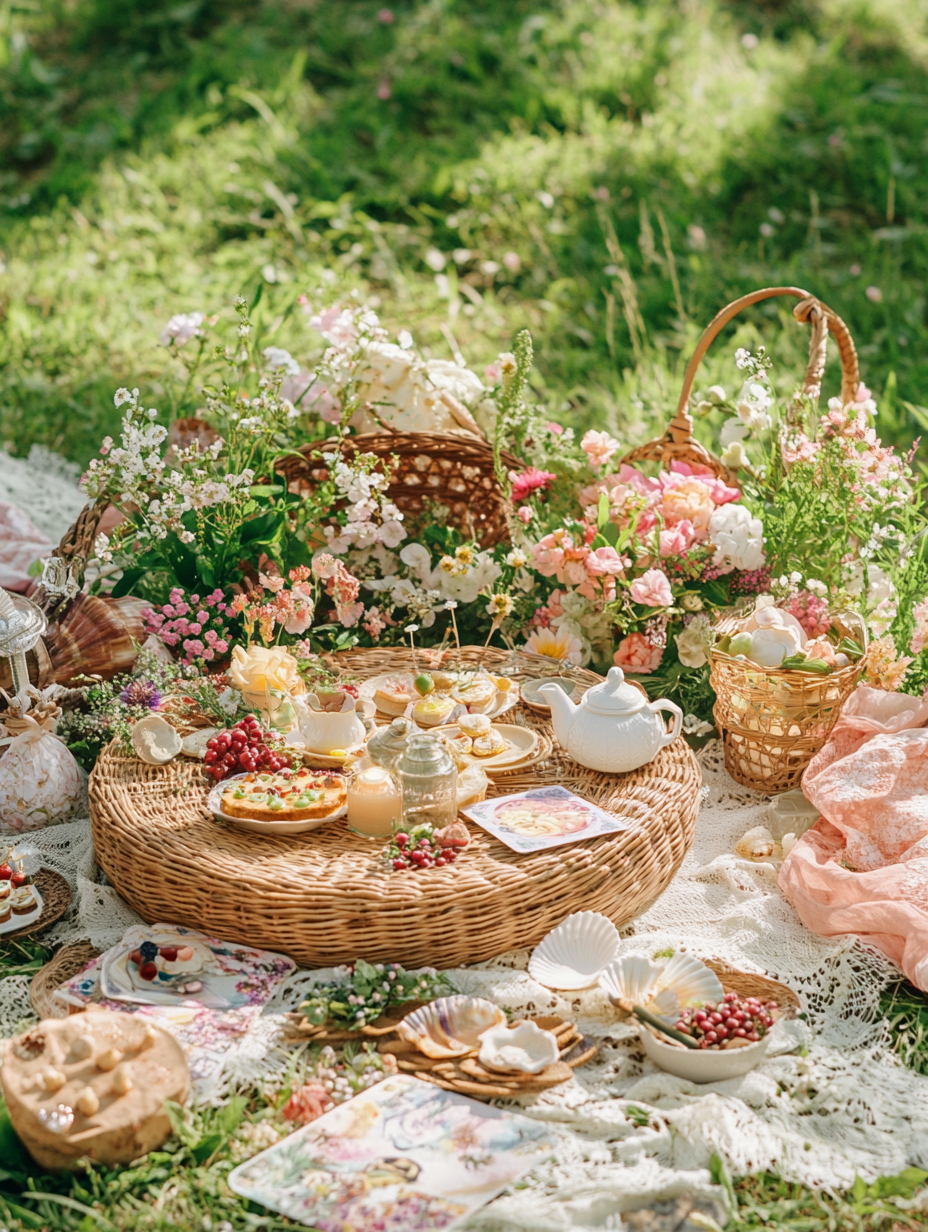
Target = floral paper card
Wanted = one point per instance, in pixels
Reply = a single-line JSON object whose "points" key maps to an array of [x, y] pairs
{"points": [[544, 817], [404, 1156]]}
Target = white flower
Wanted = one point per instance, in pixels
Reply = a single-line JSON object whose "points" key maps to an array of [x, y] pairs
{"points": [[516, 558], [500, 606], [715, 394], [280, 360], [556, 644], [181, 328], [694, 642], [417, 558], [121, 396], [741, 357], [734, 454], [879, 584], [738, 537], [733, 431], [817, 587]]}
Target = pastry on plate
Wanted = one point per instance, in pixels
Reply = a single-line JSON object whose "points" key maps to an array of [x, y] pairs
{"points": [[444, 681], [285, 796], [432, 710], [474, 724], [392, 696], [23, 900], [478, 693], [489, 745]]}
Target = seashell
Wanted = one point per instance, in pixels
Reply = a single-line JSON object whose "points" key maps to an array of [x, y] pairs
{"points": [[685, 981], [194, 745], [155, 741], [630, 980], [96, 637], [524, 1047], [573, 954], [450, 1026], [757, 844]]}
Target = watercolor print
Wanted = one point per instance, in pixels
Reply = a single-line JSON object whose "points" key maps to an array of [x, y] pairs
{"points": [[544, 817], [403, 1157]]}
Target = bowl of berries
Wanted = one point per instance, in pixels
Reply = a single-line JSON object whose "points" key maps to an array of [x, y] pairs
{"points": [[247, 748], [719, 1040]]}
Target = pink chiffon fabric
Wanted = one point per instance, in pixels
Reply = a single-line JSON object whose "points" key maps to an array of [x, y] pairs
{"points": [[21, 544], [863, 868]]}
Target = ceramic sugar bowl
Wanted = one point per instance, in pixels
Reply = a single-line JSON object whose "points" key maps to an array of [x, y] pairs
{"points": [[614, 728]]}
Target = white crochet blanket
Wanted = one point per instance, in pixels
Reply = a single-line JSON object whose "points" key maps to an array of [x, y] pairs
{"points": [[843, 1108]]}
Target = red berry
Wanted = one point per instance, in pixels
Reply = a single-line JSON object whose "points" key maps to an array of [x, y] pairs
{"points": [[5, 872], [168, 953], [399, 863], [18, 879], [244, 761], [136, 957], [450, 855], [401, 839], [148, 971], [441, 860], [211, 756]]}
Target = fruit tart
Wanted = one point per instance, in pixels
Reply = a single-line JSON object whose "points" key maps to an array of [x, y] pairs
{"points": [[478, 693], [285, 796], [433, 710], [178, 968], [392, 696]]}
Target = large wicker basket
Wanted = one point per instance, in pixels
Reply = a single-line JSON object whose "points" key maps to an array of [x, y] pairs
{"points": [[326, 897], [426, 469], [773, 722]]}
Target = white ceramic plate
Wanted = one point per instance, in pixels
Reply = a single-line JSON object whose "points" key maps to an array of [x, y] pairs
{"points": [[299, 826], [521, 743], [23, 921], [504, 701]]}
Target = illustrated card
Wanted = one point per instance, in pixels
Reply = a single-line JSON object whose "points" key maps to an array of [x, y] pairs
{"points": [[404, 1155], [543, 817]]}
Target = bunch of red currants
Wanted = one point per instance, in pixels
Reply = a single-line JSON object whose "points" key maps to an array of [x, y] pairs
{"points": [[241, 748], [421, 853], [733, 1019], [15, 876]]}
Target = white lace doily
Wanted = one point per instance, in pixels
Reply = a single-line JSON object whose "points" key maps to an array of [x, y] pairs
{"points": [[45, 485], [845, 1108]]}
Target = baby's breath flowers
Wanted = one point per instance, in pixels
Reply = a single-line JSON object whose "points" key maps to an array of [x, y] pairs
{"points": [[364, 991]]}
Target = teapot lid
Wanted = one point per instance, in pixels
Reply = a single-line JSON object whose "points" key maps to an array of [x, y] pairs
{"points": [[614, 696]]}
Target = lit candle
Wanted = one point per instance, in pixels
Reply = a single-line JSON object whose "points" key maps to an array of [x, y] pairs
{"points": [[375, 802]]}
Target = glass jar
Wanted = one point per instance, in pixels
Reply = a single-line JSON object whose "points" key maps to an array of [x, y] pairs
{"points": [[429, 780], [374, 801], [387, 745]]}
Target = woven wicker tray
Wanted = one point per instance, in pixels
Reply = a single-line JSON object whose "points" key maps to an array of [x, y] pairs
{"points": [[325, 898]]}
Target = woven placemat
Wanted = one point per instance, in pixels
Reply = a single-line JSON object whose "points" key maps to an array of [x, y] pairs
{"points": [[56, 899], [326, 898], [68, 962]]}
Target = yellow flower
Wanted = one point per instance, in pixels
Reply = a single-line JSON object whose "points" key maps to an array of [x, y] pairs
{"points": [[266, 678]]}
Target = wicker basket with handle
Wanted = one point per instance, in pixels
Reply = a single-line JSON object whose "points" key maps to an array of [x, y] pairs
{"points": [[772, 722], [426, 468]]}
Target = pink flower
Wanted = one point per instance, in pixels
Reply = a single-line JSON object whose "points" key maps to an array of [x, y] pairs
{"points": [[599, 447], [525, 514], [349, 613], [604, 561], [555, 429], [512, 262], [862, 395], [325, 565], [374, 624], [385, 16], [652, 589], [203, 617], [677, 540], [531, 480], [636, 654], [221, 646], [384, 92], [107, 445], [493, 376]]}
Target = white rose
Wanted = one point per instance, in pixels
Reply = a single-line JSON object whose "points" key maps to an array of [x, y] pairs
{"points": [[694, 642], [738, 537]]}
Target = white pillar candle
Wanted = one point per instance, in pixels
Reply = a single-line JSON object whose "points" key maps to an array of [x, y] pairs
{"points": [[375, 803]]}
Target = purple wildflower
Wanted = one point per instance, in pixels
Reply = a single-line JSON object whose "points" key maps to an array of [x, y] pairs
{"points": [[141, 693]]}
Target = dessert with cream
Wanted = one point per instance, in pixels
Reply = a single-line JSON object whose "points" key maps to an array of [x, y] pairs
{"points": [[432, 710], [284, 796], [393, 696], [23, 900], [489, 745], [478, 693], [174, 967]]}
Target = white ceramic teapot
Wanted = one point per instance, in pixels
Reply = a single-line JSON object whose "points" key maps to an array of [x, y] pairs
{"points": [[323, 731], [614, 728]]}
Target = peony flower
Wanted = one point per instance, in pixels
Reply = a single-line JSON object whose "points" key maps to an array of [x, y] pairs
{"points": [[688, 501], [636, 654], [599, 447], [555, 644], [529, 481], [603, 561], [695, 642], [652, 589], [738, 538]]}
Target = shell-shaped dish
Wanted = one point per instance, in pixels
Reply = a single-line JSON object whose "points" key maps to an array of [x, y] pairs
{"points": [[685, 981], [573, 954], [630, 980], [525, 1048], [155, 741], [450, 1026]]}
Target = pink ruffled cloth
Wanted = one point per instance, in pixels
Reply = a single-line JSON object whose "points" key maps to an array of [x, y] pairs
{"points": [[21, 544], [863, 868]]}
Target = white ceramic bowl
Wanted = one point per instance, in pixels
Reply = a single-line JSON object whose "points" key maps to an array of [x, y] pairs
{"points": [[703, 1064]]}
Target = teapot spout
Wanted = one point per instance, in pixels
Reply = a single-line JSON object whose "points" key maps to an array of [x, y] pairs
{"points": [[562, 710]]}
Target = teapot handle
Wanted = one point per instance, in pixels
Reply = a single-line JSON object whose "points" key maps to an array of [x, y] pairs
{"points": [[664, 703]]}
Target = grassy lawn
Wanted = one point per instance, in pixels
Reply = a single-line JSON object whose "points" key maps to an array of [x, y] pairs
{"points": [[607, 173]]}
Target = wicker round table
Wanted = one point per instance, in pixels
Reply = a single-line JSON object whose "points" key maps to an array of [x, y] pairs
{"points": [[326, 898]]}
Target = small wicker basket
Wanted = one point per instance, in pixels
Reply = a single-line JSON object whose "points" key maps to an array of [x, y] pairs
{"points": [[438, 468], [773, 722]]}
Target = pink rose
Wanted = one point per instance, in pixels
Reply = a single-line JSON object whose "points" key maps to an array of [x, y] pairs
{"points": [[548, 555], [525, 514], [604, 561], [687, 500], [652, 589], [599, 447], [678, 539], [636, 654]]}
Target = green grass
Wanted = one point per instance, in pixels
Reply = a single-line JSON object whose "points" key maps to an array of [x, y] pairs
{"points": [[646, 162]]}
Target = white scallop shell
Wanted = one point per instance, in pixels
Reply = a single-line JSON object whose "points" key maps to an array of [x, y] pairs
{"points": [[630, 980], [194, 745], [685, 981], [573, 954], [450, 1026], [155, 741], [524, 1047]]}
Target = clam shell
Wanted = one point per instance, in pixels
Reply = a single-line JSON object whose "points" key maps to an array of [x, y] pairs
{"points": [[630, 980], [685, 981], [194, 745], [155, 741], [96, 637], [573, 954], [525, 1048], [450, 1026]]}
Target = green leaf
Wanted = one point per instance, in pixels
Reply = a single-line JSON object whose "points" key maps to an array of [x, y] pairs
{"points": [[262, 529], [602, 511], [129, 578], [264, 489]]}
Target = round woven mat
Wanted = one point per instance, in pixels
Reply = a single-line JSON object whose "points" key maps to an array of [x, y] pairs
{"points": [[325, 897], [56, 899], [68, 962]]}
